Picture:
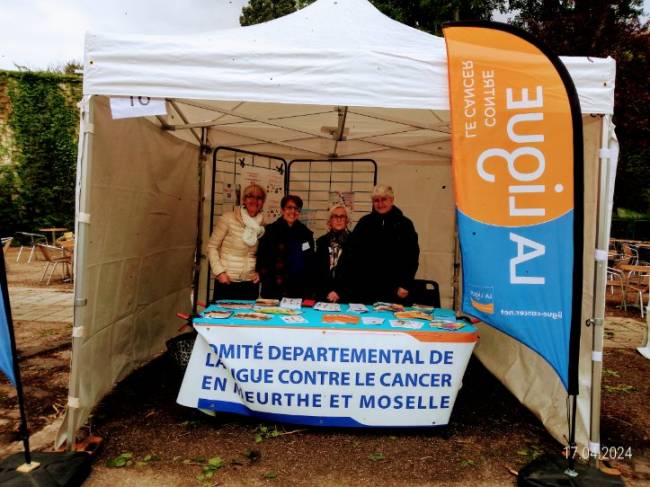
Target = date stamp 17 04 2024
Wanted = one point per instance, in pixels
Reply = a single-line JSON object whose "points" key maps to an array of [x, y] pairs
{"points": [[603, 453]]}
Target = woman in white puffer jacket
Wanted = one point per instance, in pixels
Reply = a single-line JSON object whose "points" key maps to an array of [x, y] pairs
{"points": [[232, 247]]}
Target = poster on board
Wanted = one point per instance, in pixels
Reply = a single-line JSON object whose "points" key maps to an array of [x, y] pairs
{"points": [[273, 183], [345, 198]]}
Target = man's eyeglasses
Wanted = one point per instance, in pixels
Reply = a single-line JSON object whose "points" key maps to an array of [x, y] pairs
{"points": [[291, 207], [256, 196]]}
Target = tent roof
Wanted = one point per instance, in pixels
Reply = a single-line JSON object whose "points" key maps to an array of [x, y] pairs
{"points": [[317, 131], [333, 52]]}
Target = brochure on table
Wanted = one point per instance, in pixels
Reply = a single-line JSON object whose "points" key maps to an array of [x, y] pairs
{"points": [[328, 374]]}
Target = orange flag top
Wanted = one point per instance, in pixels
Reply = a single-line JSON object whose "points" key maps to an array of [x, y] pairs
{"points": [[512, 141]]}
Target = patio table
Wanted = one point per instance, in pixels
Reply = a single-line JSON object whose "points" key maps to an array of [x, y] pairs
{"points": [[53, 231]]}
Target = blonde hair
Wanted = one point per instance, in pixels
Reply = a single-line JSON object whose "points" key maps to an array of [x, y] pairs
{"points": [[336, 207], [383, 190], [252, 187]]}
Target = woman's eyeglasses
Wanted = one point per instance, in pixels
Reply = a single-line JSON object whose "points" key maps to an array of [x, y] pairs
{"points": [[291, 207], [339, 217]]}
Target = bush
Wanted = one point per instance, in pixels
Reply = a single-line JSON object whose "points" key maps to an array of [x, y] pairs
{"points": [[38, 189]]}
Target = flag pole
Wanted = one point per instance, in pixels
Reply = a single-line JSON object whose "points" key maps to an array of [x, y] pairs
{"points": [[24, 433]]}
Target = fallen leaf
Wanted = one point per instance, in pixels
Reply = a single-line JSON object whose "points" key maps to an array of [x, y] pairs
{"points": [[376, 456]]}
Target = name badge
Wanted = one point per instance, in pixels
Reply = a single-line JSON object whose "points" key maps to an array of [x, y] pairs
{"points": [[305, 246]]}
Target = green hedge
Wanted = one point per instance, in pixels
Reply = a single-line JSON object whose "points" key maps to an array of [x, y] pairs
{"points": [[37, 188]]}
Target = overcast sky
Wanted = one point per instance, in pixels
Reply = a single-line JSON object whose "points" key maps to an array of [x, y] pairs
{"points": [[42, 33]]}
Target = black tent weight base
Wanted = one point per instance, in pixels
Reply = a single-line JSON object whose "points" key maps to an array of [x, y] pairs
{"points": [[67, 469], [549, 471]]}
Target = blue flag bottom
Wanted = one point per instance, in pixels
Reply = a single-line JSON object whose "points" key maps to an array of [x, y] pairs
{"points": [[519, 280]]}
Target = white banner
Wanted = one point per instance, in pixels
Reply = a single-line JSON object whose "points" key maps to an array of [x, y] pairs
{"points": [[326, 377], [137, 106]]}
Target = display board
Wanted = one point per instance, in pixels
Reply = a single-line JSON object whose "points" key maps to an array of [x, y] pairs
{"points": [[322, 183], [232, 170]]}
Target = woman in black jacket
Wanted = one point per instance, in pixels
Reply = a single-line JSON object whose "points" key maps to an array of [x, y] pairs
{"points": [[330, 282], [285, 256]]}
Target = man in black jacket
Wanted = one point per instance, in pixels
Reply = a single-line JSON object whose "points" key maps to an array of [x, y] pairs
{"points": [[383, 252]]}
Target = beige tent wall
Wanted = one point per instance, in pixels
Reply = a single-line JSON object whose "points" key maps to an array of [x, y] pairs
{"points": [[138, 252], [425, 194], [523, 371]]}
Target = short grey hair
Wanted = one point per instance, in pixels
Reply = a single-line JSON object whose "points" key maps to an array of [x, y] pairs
{"points": [[383, 190]]}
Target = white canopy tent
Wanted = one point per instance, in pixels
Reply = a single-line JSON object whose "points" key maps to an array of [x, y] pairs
{"points": [[337, 79]]}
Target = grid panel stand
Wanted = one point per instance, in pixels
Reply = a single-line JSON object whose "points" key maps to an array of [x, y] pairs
{"points": [[227, 166], [321, 183]]}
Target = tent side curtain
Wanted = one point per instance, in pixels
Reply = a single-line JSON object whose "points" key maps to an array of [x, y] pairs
{"points": [[138, 259]]}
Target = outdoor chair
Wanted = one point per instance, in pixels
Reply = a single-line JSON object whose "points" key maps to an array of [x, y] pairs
{"points": [[616, 279], [6, 243], [68, 250], [638, 283], [644, 254], [29, 239], [66, 237], [55, 256], [425, 292], [629, 255]]}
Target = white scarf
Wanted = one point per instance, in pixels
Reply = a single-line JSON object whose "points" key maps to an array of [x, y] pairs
{"points": [[253, 228]]}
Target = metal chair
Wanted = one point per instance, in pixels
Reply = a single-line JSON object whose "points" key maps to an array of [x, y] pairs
{"points": [[638, 282], [68, 250], [33, 238], [6, 243], [425, 292], [48, 252], [616, 279]]}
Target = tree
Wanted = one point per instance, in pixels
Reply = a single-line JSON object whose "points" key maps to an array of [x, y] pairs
{"points": [[599, 28], [44, 126], [72, 67], [258, 11], [577, 27], [8, 208], [429, 15], [426, 15]]}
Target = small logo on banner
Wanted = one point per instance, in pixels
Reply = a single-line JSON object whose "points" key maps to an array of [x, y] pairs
{"points": [[482, 298]]}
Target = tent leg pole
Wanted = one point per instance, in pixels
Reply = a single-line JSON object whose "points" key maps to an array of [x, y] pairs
{"points": [[199, 222], [600, 282], [82, 223]]}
